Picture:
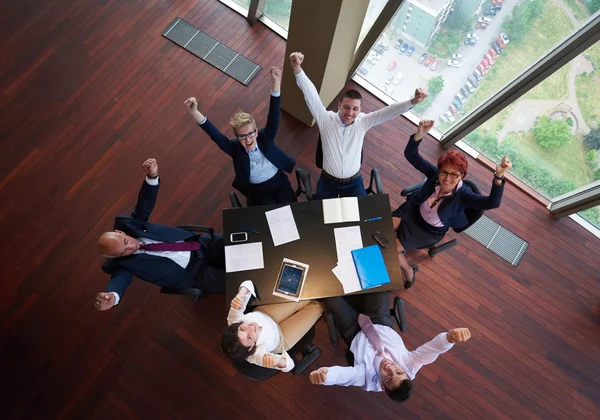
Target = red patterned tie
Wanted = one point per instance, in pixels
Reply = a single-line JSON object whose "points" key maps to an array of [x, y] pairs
{"points": [[371, 333], [172, 246]]}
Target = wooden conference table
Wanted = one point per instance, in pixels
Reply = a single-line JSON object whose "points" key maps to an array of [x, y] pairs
{"points": [[316, 247]]}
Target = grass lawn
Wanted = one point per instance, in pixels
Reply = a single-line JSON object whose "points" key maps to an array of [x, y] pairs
{"points": [[553, 87], [588, 88], [545, 32], [579, 10], [567, 162]]}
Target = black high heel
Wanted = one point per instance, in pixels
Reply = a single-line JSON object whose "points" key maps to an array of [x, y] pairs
{"points": [[408, 284]]}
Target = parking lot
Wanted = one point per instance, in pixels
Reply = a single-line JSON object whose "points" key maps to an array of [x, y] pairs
{"points": [[417, 75]]}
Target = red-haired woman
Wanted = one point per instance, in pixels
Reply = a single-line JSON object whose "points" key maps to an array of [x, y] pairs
{"points": [[428, 213]]}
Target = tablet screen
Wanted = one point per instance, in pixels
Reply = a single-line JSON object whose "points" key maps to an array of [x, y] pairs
{"points": [[290, 279]]}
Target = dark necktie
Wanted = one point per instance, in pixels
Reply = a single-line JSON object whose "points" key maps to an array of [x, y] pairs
{"points": [[172, 246]]}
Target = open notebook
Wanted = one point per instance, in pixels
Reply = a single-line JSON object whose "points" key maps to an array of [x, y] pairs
{"points": [[338, 210]]}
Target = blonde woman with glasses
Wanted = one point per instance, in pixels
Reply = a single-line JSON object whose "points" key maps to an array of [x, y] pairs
{"points": [[258, 163]]}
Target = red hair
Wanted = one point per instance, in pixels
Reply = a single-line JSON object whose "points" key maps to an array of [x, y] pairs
{"points": [[454, 158]]}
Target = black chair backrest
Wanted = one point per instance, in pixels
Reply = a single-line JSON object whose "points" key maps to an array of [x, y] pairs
{"points": [[319, 154], [472, 214], [235, 201]]}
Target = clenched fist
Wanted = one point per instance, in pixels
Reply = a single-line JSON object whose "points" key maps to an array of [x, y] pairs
{"points": [[457, 335], [296, 59], [191, 103], [151, 167], [104, 301], [419, 97], [319, 376], [269, 360], [424, 127]]}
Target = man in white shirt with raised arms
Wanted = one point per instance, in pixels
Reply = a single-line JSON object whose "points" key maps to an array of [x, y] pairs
{"points": [[381, 360], [343, 133]]}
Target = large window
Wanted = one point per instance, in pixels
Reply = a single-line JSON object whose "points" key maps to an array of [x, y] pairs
{"points": [[375, 8], [279, 12], [592, 216]]}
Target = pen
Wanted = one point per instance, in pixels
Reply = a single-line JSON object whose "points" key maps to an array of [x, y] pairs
{"points": [[372, 219], [254, 231]]}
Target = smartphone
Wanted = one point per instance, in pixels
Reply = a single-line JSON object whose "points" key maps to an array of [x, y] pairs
{"points": [[238, 237], [380, 239]]}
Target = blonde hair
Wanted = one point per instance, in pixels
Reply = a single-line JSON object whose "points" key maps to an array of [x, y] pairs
{"points": [[241, 119]]}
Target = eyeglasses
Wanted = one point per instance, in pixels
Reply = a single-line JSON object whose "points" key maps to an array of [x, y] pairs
{"points": [[451, 175], [249, 135]]}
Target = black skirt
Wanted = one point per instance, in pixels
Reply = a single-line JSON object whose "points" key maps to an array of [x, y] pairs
{"points": [[414, 232]]}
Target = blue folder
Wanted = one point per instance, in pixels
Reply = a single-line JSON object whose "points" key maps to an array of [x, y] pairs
{"points": [[370, 267]]}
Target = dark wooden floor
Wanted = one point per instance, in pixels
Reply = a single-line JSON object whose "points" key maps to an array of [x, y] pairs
{"points": [[89, 90]]}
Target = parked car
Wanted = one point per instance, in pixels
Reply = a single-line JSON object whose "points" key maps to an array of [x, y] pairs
{"points": [[422, 58], [389, 80], [470, 87], [371, 60], [473, 80], [363, 71], [410, 51], [398, 43], [496, 7], [473, 35], [398, 77], [391, 66], [457, 57], [485, 20], [378, 50], [489, 59], [482, 68], [454, 63], [504, 38], [428, 61], [489, 12], [449, 115], [444, 119], [465, 92], [493, 53], [434, 65], [457, 104], [497, 47], [481, 26], [403, 49], [383, 45], [477, 74], [453, 109], [389, 90], [456, 98], [470, 41], [374, 55], [462, 98], [497, 2]]}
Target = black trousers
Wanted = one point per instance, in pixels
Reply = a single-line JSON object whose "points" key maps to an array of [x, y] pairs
{"points": [[276, 190], [345, 310], [208, 265]]}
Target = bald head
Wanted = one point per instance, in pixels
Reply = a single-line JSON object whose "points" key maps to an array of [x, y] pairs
{"points": [[117, 244]]}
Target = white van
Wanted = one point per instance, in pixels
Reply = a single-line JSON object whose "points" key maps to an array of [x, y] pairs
{"points": [[398, 77]]}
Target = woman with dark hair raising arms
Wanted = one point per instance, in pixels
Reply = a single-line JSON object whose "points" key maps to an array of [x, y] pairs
{"points": [[439, 204]]}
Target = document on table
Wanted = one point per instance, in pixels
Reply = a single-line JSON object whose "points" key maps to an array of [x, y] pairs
{"points": [[345, 271], [282, 225], [347, 239], [244, 257], [338, 210]]}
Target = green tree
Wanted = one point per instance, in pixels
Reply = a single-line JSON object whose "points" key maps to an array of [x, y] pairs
{"points": [[551, 134], [592, 139], [590, 158], [436, 84], [592, 5], [519, 22]]}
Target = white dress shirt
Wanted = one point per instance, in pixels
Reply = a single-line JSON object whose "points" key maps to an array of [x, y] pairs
{"points": [[365, 373], [268, 338], [342, 144]]}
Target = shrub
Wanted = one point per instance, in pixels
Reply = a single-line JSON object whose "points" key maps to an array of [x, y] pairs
{"points": [[592, 139], [590, 158], [551, 134]]}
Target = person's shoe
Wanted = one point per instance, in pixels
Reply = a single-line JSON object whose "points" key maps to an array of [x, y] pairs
{"points": [[408, 284]]}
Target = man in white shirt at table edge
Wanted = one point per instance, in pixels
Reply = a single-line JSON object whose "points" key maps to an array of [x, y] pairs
{"points": [[343, 132], [374, 371]]}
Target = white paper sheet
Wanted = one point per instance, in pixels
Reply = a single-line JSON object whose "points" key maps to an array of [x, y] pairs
{"points": [[244, 257], [345, 271], [338, 210], [347, 239], [282, 225]]}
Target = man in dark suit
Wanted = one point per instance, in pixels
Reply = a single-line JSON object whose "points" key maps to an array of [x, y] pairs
{"points": [[259, 165], [162, 255]]}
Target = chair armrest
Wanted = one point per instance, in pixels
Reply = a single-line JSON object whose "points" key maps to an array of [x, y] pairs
{"points": [[375, 179], [398, 313], [409, 190], [197, 228], [304, 186], [235, 201], [332, 331]]}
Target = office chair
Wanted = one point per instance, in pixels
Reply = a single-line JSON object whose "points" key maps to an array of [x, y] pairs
{"points": [[235, 201], [304, 186], [304, 347], [195, 293], [473, 215], [397, 311]]}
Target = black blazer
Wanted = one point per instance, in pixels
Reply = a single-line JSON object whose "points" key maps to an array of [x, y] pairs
{"points": [[266, 144], [451, 209], [157, 270]]}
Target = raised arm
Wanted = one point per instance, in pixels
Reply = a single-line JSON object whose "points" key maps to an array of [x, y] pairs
{"points": [[338, 375], [282, 362], [120, 280], [274, 105], [492, 201], [148, 193], [240, 301], [311, 96], [215, 135], [411, 152], [392, 111]]}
